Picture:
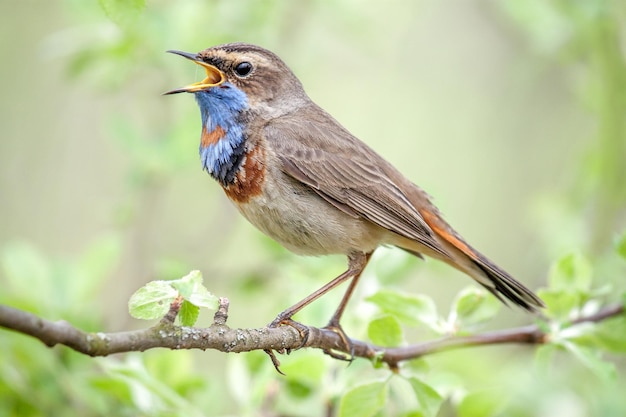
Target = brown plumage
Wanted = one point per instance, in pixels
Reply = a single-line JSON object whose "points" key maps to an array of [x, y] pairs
{"points": [[307, 182]]}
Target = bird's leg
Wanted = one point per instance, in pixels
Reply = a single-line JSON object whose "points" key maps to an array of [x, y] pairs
{"points": [[356, 264], [333, 324]]}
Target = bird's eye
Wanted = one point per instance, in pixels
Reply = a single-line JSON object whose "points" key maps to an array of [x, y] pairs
{"points": [[243, 68]]}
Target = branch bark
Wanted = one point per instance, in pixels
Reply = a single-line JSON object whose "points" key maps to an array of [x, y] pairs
{"points": [[283, 339]]}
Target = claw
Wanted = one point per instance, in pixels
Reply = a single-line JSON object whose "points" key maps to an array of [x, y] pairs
{"points": [[339, 356], [274, 360], [334, 326], [301, 328]]}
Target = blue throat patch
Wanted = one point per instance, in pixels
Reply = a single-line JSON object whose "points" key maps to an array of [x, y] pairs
{"points": [[222, 107]]}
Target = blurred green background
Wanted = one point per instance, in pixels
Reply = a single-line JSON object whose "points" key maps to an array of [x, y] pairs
{"points": [[511, 114]]}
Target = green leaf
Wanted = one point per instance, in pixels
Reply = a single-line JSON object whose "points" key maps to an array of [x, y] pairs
{"points": [[620, 246], [481, 403], [429, 400], [592, 360], [609, 334], [192, 289], [416, 366], [385, 331], [473, 306], [187, 284], [201, 297], [572, 273], [559, 303], [152, 301], [309, 368], [364, 400], [122, 12], [188, 314], [410, 309]]}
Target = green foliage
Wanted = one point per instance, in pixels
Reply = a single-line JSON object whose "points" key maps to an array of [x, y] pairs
{"points": [[428, 399], [143, 386], [153, 300], [472, 307], [607, 335], [571, 273], [409, 309], [188, 314], [592, 359], [364, 401], [385, 331], [48, 286], [482, 403], [570, 285]]}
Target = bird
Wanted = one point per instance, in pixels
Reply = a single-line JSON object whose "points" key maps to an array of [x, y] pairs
{"points": [[303, 179]]}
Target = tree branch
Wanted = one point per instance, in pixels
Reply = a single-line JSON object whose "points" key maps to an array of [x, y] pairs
{"points": [[282, 339]]}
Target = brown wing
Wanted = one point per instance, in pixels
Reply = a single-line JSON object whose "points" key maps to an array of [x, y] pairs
{"points": [[320, 153]]}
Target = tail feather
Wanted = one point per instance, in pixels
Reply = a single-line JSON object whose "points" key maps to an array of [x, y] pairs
{"points": [[505, 287], [485, 272]]}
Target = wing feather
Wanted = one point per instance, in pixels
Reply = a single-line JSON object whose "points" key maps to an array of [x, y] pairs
{"points": [[347, 174]]}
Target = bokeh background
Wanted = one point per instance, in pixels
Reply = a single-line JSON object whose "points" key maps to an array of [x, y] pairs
{"points": [[511, 114]]}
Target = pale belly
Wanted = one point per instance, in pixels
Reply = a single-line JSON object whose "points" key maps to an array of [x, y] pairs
{"points": [[297, 218]]}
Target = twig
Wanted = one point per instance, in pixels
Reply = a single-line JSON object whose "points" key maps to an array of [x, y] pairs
{"points": [[222, 338]]}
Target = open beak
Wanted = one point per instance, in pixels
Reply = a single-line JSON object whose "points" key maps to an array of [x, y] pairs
{"points": [[213, 78]]}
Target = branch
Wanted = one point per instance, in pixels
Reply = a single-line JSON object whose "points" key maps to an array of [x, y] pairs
{"points": [[283, 339]]}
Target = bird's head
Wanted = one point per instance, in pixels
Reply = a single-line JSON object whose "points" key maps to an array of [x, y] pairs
{"points": [[262, 77]]}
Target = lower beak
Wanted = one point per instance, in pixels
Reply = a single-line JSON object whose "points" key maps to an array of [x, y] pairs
{"points": [[214, 76]]}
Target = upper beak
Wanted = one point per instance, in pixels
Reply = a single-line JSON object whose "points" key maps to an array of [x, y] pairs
{"points": [[213, 78]]}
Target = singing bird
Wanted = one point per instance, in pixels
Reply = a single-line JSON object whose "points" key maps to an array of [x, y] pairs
{"points": [[301, 178]]}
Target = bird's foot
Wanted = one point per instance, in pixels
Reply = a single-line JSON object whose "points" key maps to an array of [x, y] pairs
{"points": [[348, 347], [301, 328], [282, 321]]}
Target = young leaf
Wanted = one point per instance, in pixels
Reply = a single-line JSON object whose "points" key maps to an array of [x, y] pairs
{"points": [[152, 301], [201, 297], [559, 303], [385, 331], [188, 314], [429, 400], [364, 400], [308, 368], [611, 334], [473, 306], [187, 284], [417, 366], [592, 360], [411, 309], [572, 273], [191, 288], [481, 403]]}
